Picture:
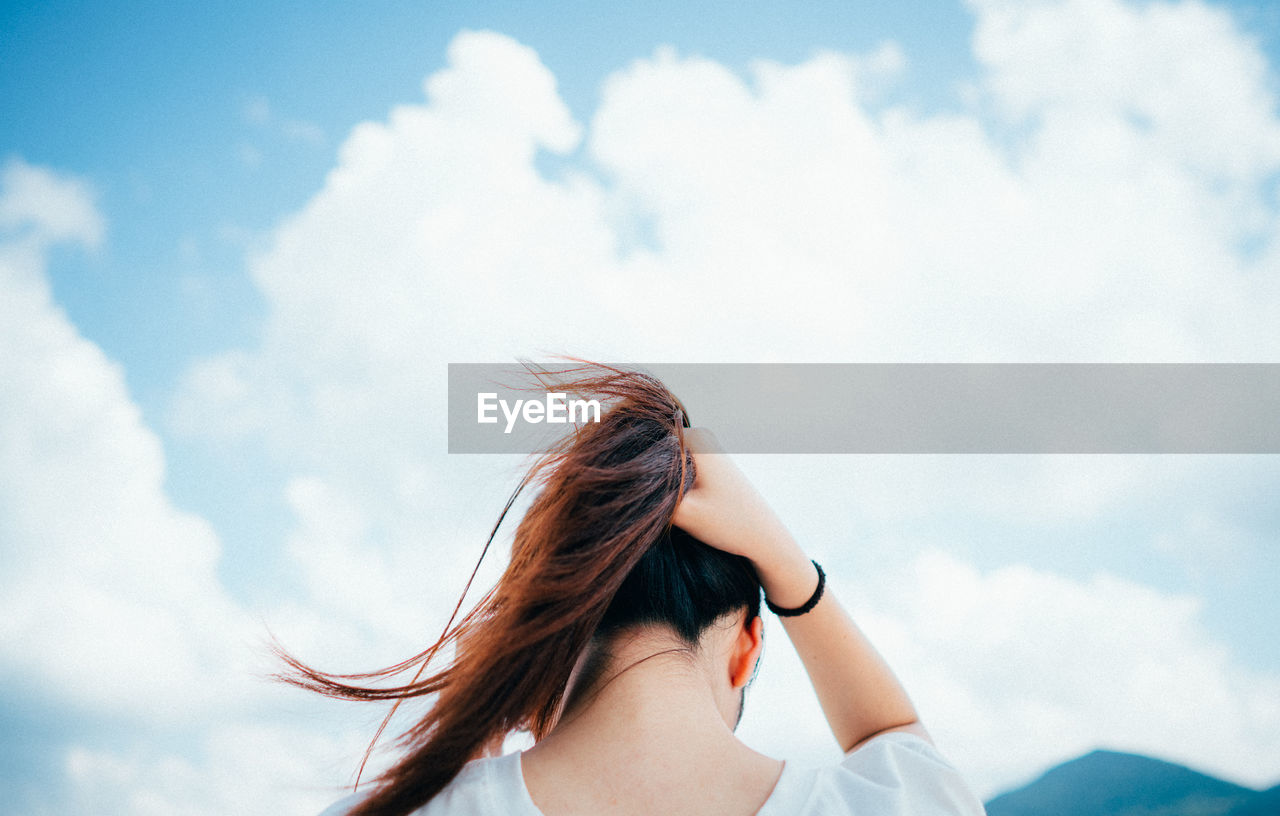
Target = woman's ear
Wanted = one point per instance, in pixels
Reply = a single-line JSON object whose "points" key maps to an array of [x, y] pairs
{"points": [[746, 651]]}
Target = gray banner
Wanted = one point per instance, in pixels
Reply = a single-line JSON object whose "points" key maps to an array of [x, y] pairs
{"points": [[907, 407]]}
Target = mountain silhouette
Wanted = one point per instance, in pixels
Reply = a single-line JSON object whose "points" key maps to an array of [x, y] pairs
{"points": [[1266, 803], [1109, 783]]}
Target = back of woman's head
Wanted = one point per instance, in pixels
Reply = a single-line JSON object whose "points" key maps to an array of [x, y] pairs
{"points": [[595, 554], [683, 585]]}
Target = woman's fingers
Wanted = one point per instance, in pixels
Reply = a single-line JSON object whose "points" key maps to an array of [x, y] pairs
{"points": [[722, 508], [695, 512]]}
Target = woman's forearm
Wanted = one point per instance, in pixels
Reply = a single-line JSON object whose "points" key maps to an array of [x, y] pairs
{"points": [[859, 693]]}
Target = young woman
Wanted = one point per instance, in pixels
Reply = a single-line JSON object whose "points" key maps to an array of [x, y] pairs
{"points": [[623, 635]]}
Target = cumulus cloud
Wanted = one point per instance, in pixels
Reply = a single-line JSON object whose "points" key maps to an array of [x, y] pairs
{"points": [[1176, 72], [111, 610], [1023, 668], [100, 559], [1080, 234], [264, 767]]}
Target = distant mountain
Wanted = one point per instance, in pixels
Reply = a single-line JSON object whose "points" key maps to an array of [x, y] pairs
{"points": [[1266, 803], [1107, 783]]}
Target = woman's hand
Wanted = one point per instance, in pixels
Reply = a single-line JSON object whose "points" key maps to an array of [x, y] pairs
{"points": [[723, 509]]}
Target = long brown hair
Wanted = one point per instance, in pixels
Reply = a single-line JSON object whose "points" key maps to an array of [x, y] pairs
{"points": [[595, 552]]}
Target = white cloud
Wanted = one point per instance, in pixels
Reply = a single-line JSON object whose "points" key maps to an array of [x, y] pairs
{"points": [[1018, 669], [102, 570], [890, 235], [111, 609], [228, 768], [43, 206], [1190, 82]]}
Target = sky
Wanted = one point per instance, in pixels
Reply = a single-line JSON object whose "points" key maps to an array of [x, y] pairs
{"points": [[239, 245]]}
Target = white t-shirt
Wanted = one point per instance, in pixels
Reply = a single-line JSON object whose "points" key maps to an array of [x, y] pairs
{"points": [[894, 774]]}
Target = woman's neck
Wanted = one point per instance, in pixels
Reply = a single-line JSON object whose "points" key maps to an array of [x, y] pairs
{"points": [[646, 698], [652, 736]]}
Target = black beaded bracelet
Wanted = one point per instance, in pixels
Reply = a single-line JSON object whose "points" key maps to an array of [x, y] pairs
{"points": [[808, 605]]}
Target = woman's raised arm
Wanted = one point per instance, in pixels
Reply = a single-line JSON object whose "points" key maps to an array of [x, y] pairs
{"points": [[859, 693]]}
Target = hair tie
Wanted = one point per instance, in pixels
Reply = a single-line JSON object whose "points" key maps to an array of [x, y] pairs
{"points": [[808, 605]]}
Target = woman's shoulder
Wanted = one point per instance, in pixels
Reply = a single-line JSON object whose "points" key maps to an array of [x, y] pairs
{"points": [[894, 774], [906, 749]]}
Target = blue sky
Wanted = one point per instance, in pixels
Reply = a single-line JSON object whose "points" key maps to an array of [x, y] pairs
{"points": [[261, 241]]}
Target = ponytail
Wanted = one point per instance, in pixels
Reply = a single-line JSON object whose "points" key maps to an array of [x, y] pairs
{"points": [[594, 552]]}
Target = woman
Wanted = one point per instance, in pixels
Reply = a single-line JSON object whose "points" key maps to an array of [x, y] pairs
{"points": [[623, 635]]}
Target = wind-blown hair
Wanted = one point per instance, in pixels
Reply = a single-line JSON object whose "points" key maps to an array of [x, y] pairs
{"points": [[594, 555]]}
